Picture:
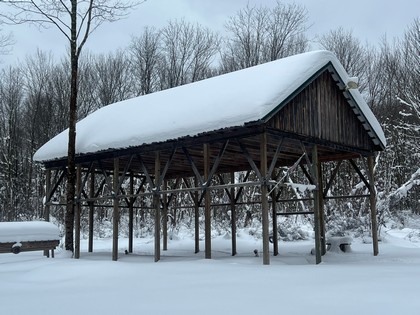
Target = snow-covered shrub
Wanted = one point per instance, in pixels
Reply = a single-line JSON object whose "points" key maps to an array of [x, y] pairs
{"points": [[293, 229]]}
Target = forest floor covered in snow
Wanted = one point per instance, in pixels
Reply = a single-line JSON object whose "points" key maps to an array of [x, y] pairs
{"points": [[185, 283]]}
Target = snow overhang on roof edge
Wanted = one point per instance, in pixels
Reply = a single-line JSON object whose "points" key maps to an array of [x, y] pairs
{"points": [[242, 96]]}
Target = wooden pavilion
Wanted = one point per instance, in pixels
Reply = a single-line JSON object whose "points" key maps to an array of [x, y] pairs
{"points": [[299, 110]]}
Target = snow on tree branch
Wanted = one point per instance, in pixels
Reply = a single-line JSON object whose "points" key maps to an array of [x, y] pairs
{"points": [[402, 191]]}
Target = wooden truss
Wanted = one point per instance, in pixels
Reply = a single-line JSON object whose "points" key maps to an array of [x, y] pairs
{"points": [[197, 168]]}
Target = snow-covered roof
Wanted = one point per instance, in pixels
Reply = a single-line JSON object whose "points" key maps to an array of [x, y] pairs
{"points": [[28, 231], [228, 100]]}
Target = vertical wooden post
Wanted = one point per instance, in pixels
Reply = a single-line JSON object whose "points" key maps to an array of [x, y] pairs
{"points": [[317, 222], [207, 203], [47, 195], [47, 201], [372, 200], [264, 198], [321, 209], [156, 205], [91, 210], [233, 213], [165, 215], [275, 228], [131, 214], [196, 219], [116, 213], [77, 213]]}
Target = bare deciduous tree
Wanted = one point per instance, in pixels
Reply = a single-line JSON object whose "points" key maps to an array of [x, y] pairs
{"points": [[76, 20], [145, 57], [38, 119], [112, 77], [261, 34], [349, 51], [6, 41], [187, 51], [409, 74], [396, 104], [11, 140], [286, 27]]}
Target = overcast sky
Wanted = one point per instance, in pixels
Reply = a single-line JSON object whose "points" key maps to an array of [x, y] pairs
{"points": [[369, 20]]}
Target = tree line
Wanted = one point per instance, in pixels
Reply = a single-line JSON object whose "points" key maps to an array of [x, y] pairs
{"points": [[34, 95]]}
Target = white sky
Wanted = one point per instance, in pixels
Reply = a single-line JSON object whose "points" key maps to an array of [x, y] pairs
{"points": [[370, 20]]}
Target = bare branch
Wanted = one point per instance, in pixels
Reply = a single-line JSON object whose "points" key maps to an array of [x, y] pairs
{"points": [[262, 34], [45, 13], [6, 41]]}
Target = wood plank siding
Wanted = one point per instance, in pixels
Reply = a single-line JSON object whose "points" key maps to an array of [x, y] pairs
{"points": [[321, 111]]}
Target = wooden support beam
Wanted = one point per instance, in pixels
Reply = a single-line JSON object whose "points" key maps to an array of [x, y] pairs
{"points": [[77, 213], [359, 172], [275, 158], [83, 183], [233, 213], [216, 164], [166, 168], [308, 162], [116, 212], [186, 189], [264, 199], [108, 182], [333, 176], [275, 227], [320, 193], [156, 205], [47, 201], [317, 210], [133, 197], [91, 210], [193, 166], [306, 173], [250, 160], [131, 214], [196, 220], [207, 203], [100, 188], [372, 199], [47, 195], [241, 189], [125, 172], [295, 199], [165, 216], [145, 171], [347, 197], [57, 182], [222, 182], [295, 213]]}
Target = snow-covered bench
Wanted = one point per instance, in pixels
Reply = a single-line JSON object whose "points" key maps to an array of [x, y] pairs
{"points": [[339, 243], [16, 237]]}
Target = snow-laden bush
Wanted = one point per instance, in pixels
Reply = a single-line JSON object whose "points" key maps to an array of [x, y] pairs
{"points": [[294, 228]]}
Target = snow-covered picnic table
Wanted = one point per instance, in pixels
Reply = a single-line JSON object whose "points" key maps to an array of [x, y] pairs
{"points": [[339, 243], [16, 237]]}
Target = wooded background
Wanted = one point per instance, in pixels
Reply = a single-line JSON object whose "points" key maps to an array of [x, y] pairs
{"points": [[34, 98]]}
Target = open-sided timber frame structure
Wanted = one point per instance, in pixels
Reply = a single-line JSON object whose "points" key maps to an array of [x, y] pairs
{"points": [[318, 123]]}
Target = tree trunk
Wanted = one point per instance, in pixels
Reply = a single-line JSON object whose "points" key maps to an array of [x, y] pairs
{"points": [[71, 166]]}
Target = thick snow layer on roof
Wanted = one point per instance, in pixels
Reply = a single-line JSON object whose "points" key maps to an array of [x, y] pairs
{"points": [[228, 100], [28, 231]]}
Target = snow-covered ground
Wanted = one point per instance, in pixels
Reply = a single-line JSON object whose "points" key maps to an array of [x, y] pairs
{"points": [[186, 283]]}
